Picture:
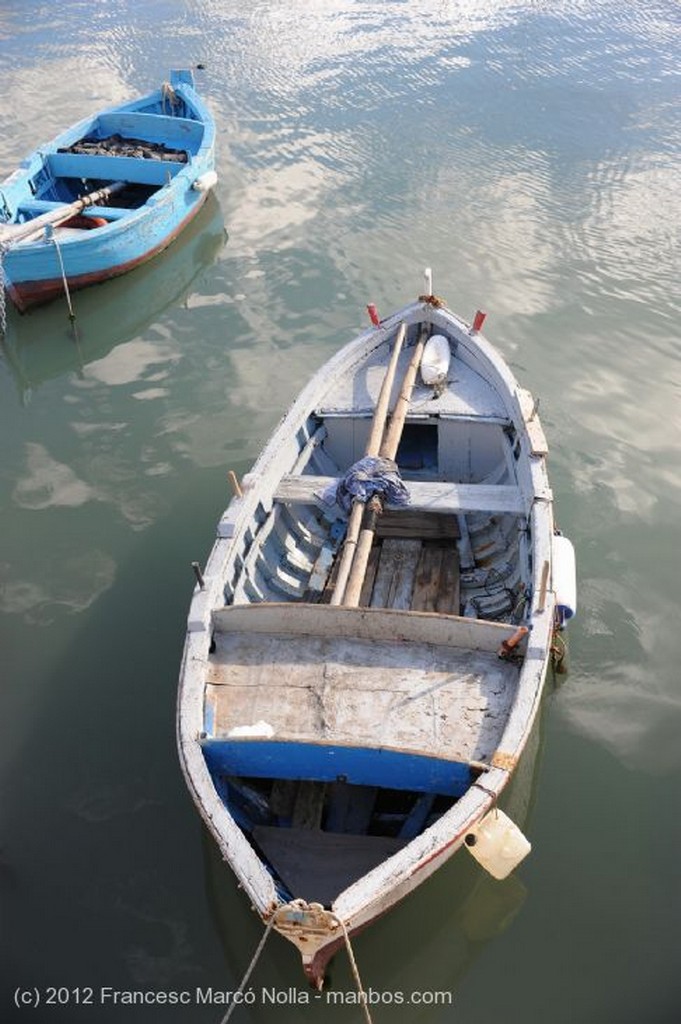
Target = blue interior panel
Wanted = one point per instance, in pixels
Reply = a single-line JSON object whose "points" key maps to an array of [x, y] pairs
{"points": [[360, 766]]}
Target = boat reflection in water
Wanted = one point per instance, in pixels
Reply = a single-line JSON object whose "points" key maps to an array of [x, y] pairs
{"points": [[42, 345], [425, 945]]}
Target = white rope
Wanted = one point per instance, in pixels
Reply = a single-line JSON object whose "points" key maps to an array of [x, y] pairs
{"points": [[52, 238], [169, 94], [355, 971], [249, 971], [3, 284]]}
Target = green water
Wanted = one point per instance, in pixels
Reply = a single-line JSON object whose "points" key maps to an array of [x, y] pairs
{"points": [[529, 153]]}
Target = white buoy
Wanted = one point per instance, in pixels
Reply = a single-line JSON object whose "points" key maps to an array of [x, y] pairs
{"points": [[497, 844], [205, 182], [564, 576]]}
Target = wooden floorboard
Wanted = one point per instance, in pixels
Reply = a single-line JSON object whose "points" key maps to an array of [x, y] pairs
{"points": [[404, 522], [427, 581], [396, 573], [370, 576], [449, 592]]}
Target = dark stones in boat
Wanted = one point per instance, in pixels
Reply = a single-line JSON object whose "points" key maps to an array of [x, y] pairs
{"points": [[119, 145]]}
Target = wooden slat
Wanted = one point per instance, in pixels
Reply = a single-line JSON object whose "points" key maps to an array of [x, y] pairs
{"points": [[290, 619], [396, 572], [370, 576], [427, 583], [309, 804], [424, 495], [418, 816], [404, 522], [449, 592], [320, 571]]}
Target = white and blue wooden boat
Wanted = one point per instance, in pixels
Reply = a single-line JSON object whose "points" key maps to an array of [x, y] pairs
{"points": [[106, 194], [343, 733]]}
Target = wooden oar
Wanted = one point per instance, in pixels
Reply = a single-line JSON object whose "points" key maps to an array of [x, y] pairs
{"points": [[388, 450], [10, 233], [372, 449]]}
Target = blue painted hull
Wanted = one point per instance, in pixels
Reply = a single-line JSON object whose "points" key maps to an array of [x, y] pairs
{"points": [[160, 197]]}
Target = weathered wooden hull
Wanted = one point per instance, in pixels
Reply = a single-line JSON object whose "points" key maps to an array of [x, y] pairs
{"points": [[122, 238], [402, 696]]}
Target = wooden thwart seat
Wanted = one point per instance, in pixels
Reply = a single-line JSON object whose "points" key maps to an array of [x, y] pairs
{"points": [[380, 624], [424, 495], [333, 683], [113, 168], [39, 206]]}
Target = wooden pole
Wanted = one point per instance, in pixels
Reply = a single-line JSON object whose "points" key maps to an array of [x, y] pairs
{"points": [[393, 435], [234, 481], [24, 232], [372, 448], [543, 587], [381, 412], [388, 450]]}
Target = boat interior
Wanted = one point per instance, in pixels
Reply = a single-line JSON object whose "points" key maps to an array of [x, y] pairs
{"points": [[375, 746], [144, 147]]}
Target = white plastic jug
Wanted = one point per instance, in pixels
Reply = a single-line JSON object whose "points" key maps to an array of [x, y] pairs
{"points": [[497, 843]]}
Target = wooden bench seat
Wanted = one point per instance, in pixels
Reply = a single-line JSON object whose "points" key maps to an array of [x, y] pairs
{"points": [[424, 496], [40, 206], [113, 168]]}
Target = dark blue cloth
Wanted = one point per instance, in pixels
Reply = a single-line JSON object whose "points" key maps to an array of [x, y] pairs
{"points": [[371, 475]]}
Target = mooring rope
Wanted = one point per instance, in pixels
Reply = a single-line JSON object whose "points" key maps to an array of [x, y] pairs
{"points": [[52, 238], [3, 308], [355, 971], [169, 94], [249, 971]]}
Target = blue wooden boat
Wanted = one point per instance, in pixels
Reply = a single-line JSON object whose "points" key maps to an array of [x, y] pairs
{"points": [[107, 194], [38, 350]]}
